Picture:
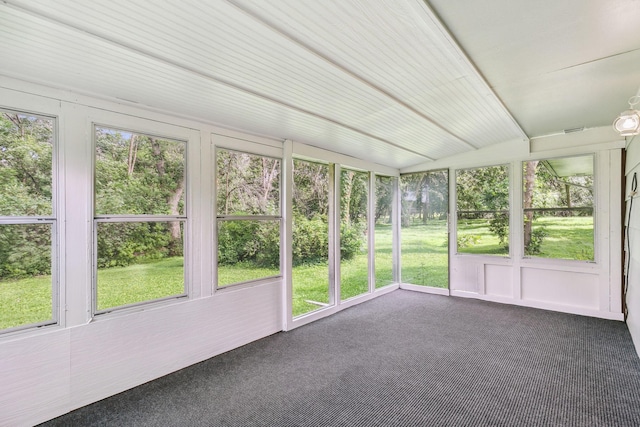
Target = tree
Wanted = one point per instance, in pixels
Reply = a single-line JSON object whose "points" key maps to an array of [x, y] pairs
{"points": [[26, 152], [529, 185]]}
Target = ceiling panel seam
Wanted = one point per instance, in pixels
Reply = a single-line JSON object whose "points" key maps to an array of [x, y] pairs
{"points": [[168, 61], [463, 54], [352, 74]]}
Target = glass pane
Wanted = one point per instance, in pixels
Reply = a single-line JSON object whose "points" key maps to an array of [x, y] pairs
{"points": [[383, 237], [248, 250], [138, 262], [483, 210], [558, 208], [424, 239], [354, 251], [25, 274], [310, 274], [26, 150], [247, 184], [138, 174]]}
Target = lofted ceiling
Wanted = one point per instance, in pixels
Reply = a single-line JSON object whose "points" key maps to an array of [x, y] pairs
{"points": [[396, 82]]}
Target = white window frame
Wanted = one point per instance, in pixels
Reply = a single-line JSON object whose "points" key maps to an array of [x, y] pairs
{"points": [[595, 179], [508, 211], [43, 219], [225, 143], [158, 130]]}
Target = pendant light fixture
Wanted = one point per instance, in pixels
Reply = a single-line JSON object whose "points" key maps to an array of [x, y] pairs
{"points": [[628, 122]]}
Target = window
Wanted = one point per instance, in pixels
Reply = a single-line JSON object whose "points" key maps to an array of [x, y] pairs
{"points": [[482, 204], [558, 208], [140, 218], [383, 233], [354, 232], [27, 221], [248, 217], [311, 194]]}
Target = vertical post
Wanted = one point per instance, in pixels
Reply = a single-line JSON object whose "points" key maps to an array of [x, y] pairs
{"points": [[395, 226], [334, 234], [286, 235], [371, 224]]}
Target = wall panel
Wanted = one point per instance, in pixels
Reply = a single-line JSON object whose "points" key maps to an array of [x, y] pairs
{"points": [[560, 287], [498, 280]]}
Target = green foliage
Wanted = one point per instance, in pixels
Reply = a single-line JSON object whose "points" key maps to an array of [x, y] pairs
{"points": [[466, 240], [25, 250], [483, 189], [255, 242], [247, 183], [26, 151], [352, 240], [499, 225], [310, 239], [535, 244], [138, 174], [425, 196], [122, 244]]}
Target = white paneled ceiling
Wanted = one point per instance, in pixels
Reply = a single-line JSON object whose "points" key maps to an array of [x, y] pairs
{"points": [[397, 82]]}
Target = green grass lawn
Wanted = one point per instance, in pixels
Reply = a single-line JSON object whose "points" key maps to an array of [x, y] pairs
{"points": [[424, 262], [25, 301], [478, 238], [424, 254], [140, 282], [567, 238]]}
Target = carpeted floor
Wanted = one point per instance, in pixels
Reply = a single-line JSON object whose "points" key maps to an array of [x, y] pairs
{"points": [[404, 359]]}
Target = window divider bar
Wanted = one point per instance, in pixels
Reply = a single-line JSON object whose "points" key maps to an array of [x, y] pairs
{"points": [[248, 218], [26, 220], [139, 218]]}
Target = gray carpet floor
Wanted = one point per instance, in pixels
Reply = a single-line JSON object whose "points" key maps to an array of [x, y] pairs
{"points": [[404, 359]]}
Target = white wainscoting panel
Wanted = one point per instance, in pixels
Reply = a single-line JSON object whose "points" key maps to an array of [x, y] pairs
{"points": [[48, 375], [569, 288], [498, 280], [34, 378]]}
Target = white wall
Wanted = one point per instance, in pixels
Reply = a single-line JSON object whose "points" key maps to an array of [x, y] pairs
{"points": [[633, 249], [587, 288]]}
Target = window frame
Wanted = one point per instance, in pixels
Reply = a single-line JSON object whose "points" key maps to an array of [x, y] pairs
{"points": [[372, 225], [338, 178], [594, 189], [253, 149], [139, 218], [508, 211], [52, 218]]}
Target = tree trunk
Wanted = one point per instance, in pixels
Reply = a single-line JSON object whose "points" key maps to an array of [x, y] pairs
{"points": [[425, 199], [567, 188], [157, 153], [347, 189], [529, 185], [268, 175], [174, 226], [133, 154]]}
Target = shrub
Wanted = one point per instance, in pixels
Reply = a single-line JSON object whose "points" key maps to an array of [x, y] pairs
{"points": [[467, 240], [535, 244], [499, 225]]}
